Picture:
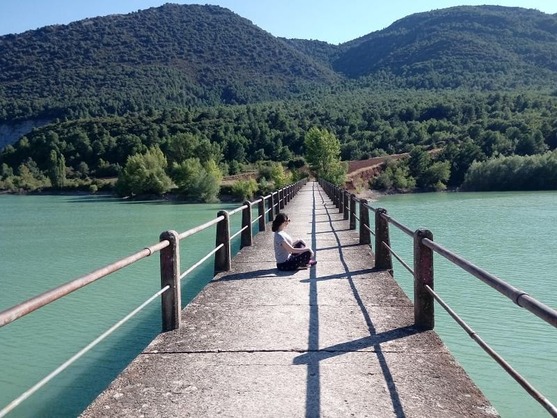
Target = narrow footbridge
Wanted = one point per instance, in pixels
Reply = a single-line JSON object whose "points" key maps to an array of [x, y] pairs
{"points": [[339, 339], [335, 340]]}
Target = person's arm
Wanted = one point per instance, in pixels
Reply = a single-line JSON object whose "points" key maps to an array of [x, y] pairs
{"points": [[293, 250], [300, 241]]}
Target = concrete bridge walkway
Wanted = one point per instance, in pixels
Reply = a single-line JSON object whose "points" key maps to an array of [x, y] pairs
{"points": [[336, 340]]}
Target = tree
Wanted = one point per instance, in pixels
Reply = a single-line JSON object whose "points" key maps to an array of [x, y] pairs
{"points": [[196, 180], [278, 176], [323, 155], [57, 169], [418, 162], [144, 174], [244, 189], [181, 146], [437, 175]]}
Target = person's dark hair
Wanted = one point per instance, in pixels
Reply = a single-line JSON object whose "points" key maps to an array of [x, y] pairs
{"points": [[278, 221]]}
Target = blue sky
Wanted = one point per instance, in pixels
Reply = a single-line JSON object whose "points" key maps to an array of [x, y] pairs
{"points": [[334, 21]]}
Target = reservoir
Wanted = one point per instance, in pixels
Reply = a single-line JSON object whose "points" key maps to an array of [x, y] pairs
{"points": [[46, 241]]}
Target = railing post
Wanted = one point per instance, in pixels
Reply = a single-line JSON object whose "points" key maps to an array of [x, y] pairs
{"points": [[246, 240], [271, 210], [352, 211], [423, 276], [261, 213], [364, 222], [274, 208], [383, 258], [340, 200], [346, 205], [222, 256], [281, 199], [170, 276]]}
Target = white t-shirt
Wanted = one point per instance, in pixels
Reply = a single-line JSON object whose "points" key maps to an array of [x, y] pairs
{"points": [[281, 254]]}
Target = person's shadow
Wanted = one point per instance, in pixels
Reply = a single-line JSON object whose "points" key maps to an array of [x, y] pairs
{"points": [[256, 274]]}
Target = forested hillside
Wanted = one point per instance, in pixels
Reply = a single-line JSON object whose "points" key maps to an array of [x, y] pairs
{"points": [[473, 83], [171, 55], [484, 47]]}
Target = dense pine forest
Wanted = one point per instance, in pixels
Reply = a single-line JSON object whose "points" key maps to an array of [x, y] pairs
{"points": [[173, 98]]}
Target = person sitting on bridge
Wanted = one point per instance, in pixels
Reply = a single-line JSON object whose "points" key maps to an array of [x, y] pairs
{"points": [[289, 254]]}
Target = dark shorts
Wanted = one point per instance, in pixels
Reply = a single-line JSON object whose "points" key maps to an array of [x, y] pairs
{"points": [[295, 261]]}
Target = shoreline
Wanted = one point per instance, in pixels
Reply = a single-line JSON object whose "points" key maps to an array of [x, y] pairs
{"points": [[370, 195]]}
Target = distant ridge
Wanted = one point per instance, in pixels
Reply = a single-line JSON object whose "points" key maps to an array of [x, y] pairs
{"points": [[192, 55]]}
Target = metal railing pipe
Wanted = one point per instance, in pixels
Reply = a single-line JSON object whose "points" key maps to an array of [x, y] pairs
{"points": [[518, 296], [11, 314]]}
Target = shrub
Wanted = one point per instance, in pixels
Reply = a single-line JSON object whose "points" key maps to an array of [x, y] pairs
{"points": [[244, 189]]}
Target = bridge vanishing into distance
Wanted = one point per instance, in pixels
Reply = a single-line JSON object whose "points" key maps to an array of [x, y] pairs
{"points": [[335, 340]]}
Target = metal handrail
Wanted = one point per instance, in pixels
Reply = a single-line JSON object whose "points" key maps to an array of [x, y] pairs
{"points": [[238, 232], [201, 261], [200, 228], [241, 208], [518, 296], [495, 356], [400, 260], [11, 314], [13, 404]]}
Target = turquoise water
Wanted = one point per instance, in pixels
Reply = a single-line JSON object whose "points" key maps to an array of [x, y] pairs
{"points": [[46, 241], [513, 236]]}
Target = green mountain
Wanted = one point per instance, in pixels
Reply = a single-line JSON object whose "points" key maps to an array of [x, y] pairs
{"points": [[478, 81], [182, 55], [483, 47], [191, 55]]}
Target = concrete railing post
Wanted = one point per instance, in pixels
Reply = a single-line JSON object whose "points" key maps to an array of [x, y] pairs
{"points": [[223, 255], [383, 258], [364, 223], [352, 211], [247, 236], [261, 213], [274, 207], [423, 276], [270, 208], [170, 276], [346, 204], [340, 200]]}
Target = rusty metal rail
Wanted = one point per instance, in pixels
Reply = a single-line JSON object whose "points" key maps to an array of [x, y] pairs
{"points": [[532, 391], [518, 296], [11, 314]]}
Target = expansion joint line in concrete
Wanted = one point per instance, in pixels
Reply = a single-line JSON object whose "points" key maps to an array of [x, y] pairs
{"points": [[367, 350]]}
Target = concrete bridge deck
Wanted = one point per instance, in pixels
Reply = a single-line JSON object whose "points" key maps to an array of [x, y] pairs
{"points": [[336, 340]]}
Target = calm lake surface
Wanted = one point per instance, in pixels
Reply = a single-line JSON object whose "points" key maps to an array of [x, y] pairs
{"points": [[513, 236], [46, 241]]}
